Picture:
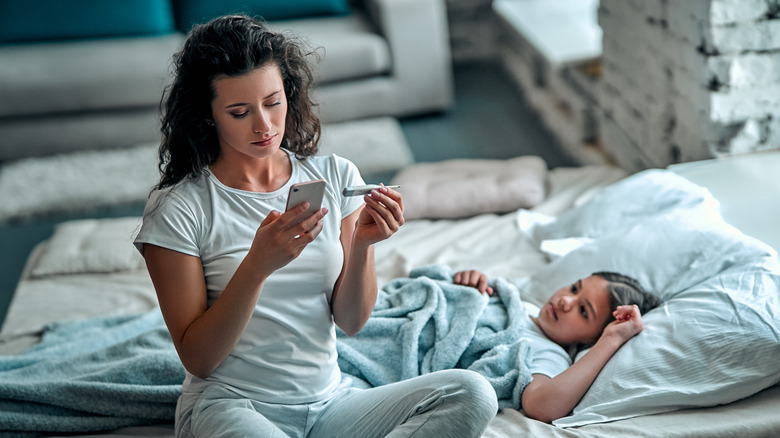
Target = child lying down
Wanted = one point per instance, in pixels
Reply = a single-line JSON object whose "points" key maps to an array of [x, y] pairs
{"points": [[600, 312], [435, 320]]}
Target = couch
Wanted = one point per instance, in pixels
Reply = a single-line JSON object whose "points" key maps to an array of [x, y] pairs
{"points": [[73, 83]]}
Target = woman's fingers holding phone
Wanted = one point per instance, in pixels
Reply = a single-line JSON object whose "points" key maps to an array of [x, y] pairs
{"points": [[281, 237]]}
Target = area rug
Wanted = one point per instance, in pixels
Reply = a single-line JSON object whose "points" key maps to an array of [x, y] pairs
{"points": [[80, 181]]}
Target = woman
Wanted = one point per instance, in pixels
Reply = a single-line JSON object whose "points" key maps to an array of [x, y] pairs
{"points": [[600, 313], [250, 295]]}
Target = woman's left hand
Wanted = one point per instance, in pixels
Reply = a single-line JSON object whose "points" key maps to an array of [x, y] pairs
{"points": [[382, 216]]}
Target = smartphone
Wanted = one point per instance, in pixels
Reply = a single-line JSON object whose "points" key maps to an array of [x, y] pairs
{"points": [[310, 191], [363, 190]]}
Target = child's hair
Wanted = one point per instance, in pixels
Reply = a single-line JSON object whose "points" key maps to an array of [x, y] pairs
{"points": [[625, 291]]}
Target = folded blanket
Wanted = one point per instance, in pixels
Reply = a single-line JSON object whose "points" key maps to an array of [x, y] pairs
{"points": [[92, 375], [426, 323]]}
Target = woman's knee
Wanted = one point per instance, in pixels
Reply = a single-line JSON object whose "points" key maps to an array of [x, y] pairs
{"points": [[478, 387], [470, 391], [472, 400]]}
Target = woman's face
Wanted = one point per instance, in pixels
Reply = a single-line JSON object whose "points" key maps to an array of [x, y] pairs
{"points": [[577, 313], [250, 111]]}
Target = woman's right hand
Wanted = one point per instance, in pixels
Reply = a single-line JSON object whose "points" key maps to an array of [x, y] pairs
{"points": [[282, 237]]}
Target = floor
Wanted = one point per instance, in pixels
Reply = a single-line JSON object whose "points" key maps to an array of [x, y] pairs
{"points": [[489, 120]]}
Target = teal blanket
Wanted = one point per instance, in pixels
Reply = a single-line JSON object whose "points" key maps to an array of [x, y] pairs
{"points": [[106, 373], [92, 375]]}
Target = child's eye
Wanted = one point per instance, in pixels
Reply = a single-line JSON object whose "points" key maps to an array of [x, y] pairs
{"points": [[583, 312], [574, 289]]}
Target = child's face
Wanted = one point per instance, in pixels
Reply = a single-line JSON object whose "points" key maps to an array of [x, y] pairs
{"points": [[577, 313]]}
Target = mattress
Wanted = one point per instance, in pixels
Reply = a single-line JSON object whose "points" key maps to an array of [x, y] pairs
{"points": [[492, 243]]}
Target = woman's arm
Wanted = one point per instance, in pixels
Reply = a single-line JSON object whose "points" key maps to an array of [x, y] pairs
{"points": [[547, 399], [204, 336], [354, 294]]}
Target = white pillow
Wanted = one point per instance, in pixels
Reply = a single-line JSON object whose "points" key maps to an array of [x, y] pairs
{"points": [[90, 246], [462, 188], [715, 337], [627, 202]]}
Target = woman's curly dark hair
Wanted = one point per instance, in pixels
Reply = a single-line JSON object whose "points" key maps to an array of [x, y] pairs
{"points": [[231, 45]]}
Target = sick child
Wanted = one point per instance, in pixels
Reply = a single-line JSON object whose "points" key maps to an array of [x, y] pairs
{"points": [[599, 313]]}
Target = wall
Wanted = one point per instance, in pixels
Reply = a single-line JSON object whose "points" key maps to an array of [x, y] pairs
{"points": [[473, 31], [688, 80], [677, 81]]}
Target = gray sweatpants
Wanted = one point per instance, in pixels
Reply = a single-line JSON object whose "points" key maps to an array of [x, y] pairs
{"points": [[451, 403]]}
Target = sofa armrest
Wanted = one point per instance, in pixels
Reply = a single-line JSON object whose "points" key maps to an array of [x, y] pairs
{"points": [[418, 34]]}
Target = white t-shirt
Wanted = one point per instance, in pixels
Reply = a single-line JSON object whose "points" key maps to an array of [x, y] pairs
{"points": [[288, 350], [546, 357]]}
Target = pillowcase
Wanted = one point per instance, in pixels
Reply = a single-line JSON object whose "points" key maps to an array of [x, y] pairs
{"points": [[90, 246], [190, 12], [462, 188], [715, 335], [25, 20]]}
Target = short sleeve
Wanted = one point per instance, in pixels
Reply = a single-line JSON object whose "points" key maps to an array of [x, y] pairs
{"points": [[547, 357], [548, 362], [170, 223], [348, 175]]}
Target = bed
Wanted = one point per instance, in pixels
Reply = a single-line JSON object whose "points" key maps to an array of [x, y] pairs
{"points": [[704, 366]]}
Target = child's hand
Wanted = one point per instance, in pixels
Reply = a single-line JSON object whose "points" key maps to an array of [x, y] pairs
{"points": [[474, 279], [627, 323]]}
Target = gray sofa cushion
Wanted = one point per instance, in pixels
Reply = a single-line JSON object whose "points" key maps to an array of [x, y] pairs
{"points": [[350, 48], [90, 75], [94, 75], [52, 134]]}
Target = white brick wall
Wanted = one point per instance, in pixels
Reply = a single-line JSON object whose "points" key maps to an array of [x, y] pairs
{"points": [[681, 80], [688, 79]]}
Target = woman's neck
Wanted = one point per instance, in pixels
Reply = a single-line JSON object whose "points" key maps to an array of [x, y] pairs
{"points": [[253, 174]]}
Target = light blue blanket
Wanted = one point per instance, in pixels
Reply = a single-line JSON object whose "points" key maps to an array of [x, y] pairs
{"points": [[92, 375], [426, 323], [106, 373]]}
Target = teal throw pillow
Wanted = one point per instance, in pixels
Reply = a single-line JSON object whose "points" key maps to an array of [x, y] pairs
{"points": [[47, 20], [190, 12]]}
